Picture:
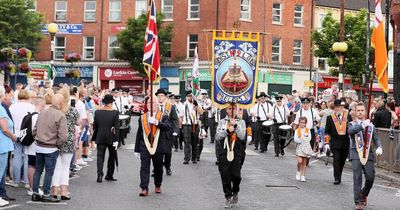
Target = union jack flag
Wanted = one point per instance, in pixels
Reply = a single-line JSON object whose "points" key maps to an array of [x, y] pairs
{"points": [[151, 57]]}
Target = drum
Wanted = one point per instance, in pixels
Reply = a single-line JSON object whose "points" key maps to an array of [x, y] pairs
{"points": [[124, 125], [268, 123], [285, 127]]}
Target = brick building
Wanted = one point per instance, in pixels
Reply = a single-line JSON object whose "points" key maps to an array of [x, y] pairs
{"points": [[91, 26]]}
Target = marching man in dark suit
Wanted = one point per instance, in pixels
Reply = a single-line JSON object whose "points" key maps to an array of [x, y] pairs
{"points": [[151, 140], [359, 162], [231, 133], [336, 127]]}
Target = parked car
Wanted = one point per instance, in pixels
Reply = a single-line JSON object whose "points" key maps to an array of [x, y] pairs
{"points": [[137, 105]]}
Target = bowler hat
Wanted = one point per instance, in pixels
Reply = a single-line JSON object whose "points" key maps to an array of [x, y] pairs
{"points": [[338, 102], [189, 92], [177, 97], [161, 91], [278, 98], [305, 100], [262, 94], [108, 99]]}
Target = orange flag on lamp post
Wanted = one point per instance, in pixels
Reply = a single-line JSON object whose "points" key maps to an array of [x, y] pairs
{"points": [[378, 42]]}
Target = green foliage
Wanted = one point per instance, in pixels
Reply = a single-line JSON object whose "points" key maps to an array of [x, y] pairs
{"points": [[355, 28], [18, 25], [131, 40]]}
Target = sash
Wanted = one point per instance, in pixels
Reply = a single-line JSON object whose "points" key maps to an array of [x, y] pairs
{"points": [[299, 132], [340, 126], [230, 143], [155, 132], [360, 142], [167, 108]]}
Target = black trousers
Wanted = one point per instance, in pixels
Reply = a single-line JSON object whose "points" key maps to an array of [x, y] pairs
{"points": [[339, 159], [199, 148], [191, 141], [101, 153], [167, 160], [176, 142], [145, 169], [279, 144], [230, 175], [369, 172], [213, 128], [181, 138], [262, 138]]}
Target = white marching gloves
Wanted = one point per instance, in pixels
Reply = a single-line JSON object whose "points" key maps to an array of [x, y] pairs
{"points": [[137, 155], [249, 139], [379, 151], [115, 144], [174, 134]]}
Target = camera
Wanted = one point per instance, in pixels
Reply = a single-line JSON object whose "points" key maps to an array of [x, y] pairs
{"points": [[73, 102]]}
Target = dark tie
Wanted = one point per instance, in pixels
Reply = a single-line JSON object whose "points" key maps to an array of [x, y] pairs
{"points": [[162, 108]]}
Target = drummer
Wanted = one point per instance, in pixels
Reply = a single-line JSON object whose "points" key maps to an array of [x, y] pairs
{"points": [[279, 115], [261, 111]]}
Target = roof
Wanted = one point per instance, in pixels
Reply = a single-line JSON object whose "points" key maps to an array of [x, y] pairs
{"points": [[350, 4]]}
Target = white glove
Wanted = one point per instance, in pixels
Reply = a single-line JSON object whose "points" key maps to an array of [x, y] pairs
{"points": [[174, 134], [379, 151], [137, 155], [153, 121], [248, 139], [366, 123], [327, 147], [115, 144]]}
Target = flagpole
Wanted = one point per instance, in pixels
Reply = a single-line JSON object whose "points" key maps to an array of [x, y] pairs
{"points": [[371, 82], [368, 47]]}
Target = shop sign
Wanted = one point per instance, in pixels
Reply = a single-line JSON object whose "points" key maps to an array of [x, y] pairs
{"points": [[86, 71], [65, 29], [275, 78], [204, 75], [117, 29], [39, 71], [119, 74]]}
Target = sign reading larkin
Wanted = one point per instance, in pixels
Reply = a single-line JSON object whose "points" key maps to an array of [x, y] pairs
{"points": [[235, 68]]}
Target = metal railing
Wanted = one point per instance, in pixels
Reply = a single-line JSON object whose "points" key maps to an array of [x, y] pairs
{"points": [[390, 159]]}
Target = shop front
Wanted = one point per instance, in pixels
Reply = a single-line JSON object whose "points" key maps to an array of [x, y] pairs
{"points": [[277, 83], [62, 74], [123, 77], [185, 81]]}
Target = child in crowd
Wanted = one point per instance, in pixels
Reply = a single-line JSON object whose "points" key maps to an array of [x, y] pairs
{"points": [[302, 136]]}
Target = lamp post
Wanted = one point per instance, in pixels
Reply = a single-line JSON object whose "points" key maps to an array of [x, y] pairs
{"points": [[52, 28], [340, 48]]}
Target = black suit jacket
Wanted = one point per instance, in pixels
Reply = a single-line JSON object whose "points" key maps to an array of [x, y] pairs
{"points": [[341, 142]]}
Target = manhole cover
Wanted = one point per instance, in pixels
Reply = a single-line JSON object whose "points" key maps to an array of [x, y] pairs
{"points": [[290, 187]]}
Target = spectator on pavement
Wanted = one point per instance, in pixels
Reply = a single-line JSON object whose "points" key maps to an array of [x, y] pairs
{"points": [[18, 111], [382, 116], [50, 133], [6, 145]]}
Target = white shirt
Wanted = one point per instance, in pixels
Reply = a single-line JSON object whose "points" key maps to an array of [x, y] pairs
{"points": [[120, 102], [262, 110], [188, 114], [280, 113], [253, 112], [18, 111], [307, 113]]}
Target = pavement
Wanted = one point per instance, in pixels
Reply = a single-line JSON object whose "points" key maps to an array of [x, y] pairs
{"points": [[268, 182]]}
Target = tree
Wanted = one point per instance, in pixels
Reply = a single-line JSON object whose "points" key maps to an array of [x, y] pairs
{"points": [[355, 28], [131, 40], [18, 25]]}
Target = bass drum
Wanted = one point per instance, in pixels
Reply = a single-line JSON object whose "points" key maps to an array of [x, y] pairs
{"points": [[285, 127]]}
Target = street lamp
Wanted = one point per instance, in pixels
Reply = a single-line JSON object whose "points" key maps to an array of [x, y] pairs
{"points": [[52, 28], [340, 48]]}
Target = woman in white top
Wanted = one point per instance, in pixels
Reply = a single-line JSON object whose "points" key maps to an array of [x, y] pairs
{"points": [[302, 136], [18, 111]]}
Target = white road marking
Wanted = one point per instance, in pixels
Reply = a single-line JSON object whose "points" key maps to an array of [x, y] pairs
{"points": [[10, 206], [45, 203], [312, 162], [387, 187]]}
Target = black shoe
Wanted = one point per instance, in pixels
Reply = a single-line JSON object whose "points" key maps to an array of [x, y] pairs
{"points": [[55, 196], [100, 178], [50, 199], [282, 152], [36, 197], [256, 148], [152, 174], [110, 178], [194, 162], [176, 150], [181, 147], [276, 155], [185, 162], [198, 159], [337, 181], [169, 172], [262, 151], [123, 142], [212, 142], [8, 198], [216, 163], [65, 198]]}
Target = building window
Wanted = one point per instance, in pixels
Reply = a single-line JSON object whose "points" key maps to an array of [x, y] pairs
{"points": [[168, 54], [321, 18], [168, 9], [297, 49], [32, 6], [322, 65], [193, 40], [276, 13], [164, 84], [115, 10], [61, 11], [276, 50], [59, 50], [112, 45], [88, 48], [298, 15], [194, 9], [245, 9], [140, 7], [90, 11]]}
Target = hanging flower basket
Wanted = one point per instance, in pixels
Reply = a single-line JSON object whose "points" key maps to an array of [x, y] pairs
{"points": [[73, 73], [6, 54], [25, 53], [24, 67], [8, 68], [72, 57]]}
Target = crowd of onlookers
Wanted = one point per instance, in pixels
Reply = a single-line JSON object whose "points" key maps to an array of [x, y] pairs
{"points": [[67, 145]]}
